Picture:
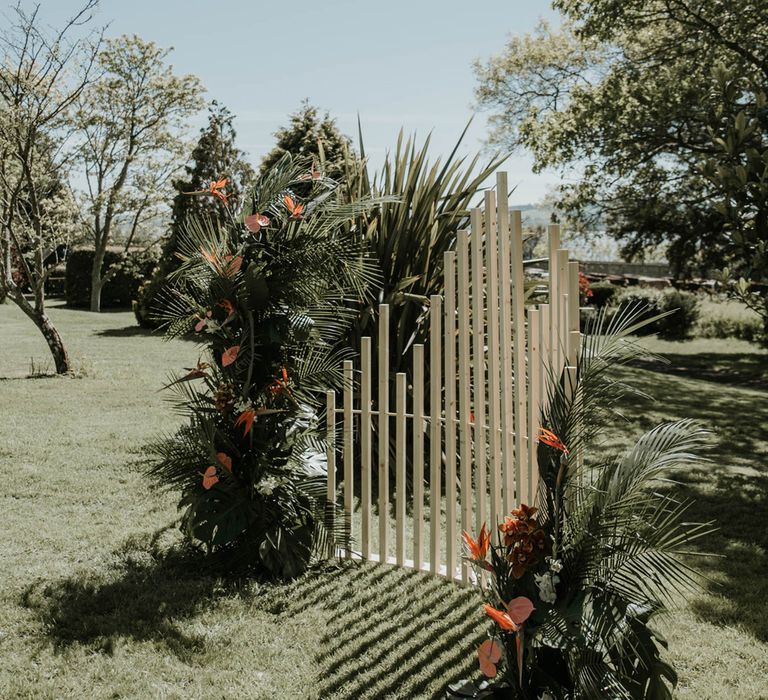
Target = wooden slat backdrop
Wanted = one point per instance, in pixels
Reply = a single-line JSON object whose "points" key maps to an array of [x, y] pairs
{"points": [[491, 361]]}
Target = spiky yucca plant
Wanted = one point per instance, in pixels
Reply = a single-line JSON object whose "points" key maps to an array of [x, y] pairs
{"points": [[575, 584], [269, 297]]}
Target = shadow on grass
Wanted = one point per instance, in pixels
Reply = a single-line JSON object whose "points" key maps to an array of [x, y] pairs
{"points": [[128, 332], [392, 632], [749, 370], [147, 592], [386, 632], [731, 489]]}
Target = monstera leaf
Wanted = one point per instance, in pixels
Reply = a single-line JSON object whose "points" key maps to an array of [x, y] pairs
{"points": [[218, 516]]}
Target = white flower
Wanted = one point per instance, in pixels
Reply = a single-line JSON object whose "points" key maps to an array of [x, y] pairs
{"points": [[546, 584], [212, 326], [266, 486], [555, 565]]}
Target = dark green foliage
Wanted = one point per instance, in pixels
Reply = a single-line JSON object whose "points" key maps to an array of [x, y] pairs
{"points": [[618, 542], [430, 202], [129, 271], [603, 293], [214, 157], [674, 312], [314, 137], [270, 308]]}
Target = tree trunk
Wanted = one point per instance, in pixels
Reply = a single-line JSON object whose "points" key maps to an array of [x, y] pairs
{"points": [[55, 344], [97, 283], [51, 335]]}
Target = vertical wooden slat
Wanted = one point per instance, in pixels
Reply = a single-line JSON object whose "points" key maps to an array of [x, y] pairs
{"points": [[478, 362], [508, 470], [573, 312], [562, 321], [520, 407], [449, 282], [383, 405], [365, 447], [349, 486], [534, 401], [330, 455], [494, 422], [465, 397], [418, 456], [545, 336], [400, 446], [553, 231], [435, 465]]}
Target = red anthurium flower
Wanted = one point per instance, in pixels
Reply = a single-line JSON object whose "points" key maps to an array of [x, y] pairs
{"points": [[210, 478], [294, 208], [520, 609], [229, 355], [216, 188], [489, 654], [255, 222], [224, 460], [549, 438]]}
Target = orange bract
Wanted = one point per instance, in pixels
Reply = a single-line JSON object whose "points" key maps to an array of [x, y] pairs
{"points": [[501, 618], [224, 460], [478, 549], [216, 189], [294, 208], [549, 438], [246, 419]]}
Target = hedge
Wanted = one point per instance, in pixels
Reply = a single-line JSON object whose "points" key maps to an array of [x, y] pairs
{"points": [[134, 268]]}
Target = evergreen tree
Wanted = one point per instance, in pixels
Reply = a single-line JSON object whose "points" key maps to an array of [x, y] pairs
{"points": [[311, 136], [214, 157]]}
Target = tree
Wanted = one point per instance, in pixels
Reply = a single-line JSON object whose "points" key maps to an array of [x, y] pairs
{"points": [[631, 96], [42, 75], [215, 156], [309, 135], [132, 121]]}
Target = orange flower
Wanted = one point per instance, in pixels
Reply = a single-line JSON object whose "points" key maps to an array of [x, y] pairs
{"points": [[229, 355], [216, 189], [197, 372], [478, 549], [501, 618], [255, 222], [210, 478], [489, 654], [549, 438], [518, 610], [246, 419], [524, 512], [294, 208], [228, 266]]}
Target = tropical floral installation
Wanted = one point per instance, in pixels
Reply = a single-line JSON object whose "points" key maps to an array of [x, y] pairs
{"points": [[573, 584], [268, 297]]}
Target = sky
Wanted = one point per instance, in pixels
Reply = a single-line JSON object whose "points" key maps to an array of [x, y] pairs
{"points": [[396, 63]]}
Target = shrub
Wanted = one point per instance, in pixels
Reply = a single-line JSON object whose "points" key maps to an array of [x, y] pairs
{"points": [[131, 270], [603, 294], [680, 324], [728, 319]]}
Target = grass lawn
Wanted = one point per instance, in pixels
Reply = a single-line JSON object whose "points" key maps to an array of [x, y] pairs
{"points": [[96, 602]]}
